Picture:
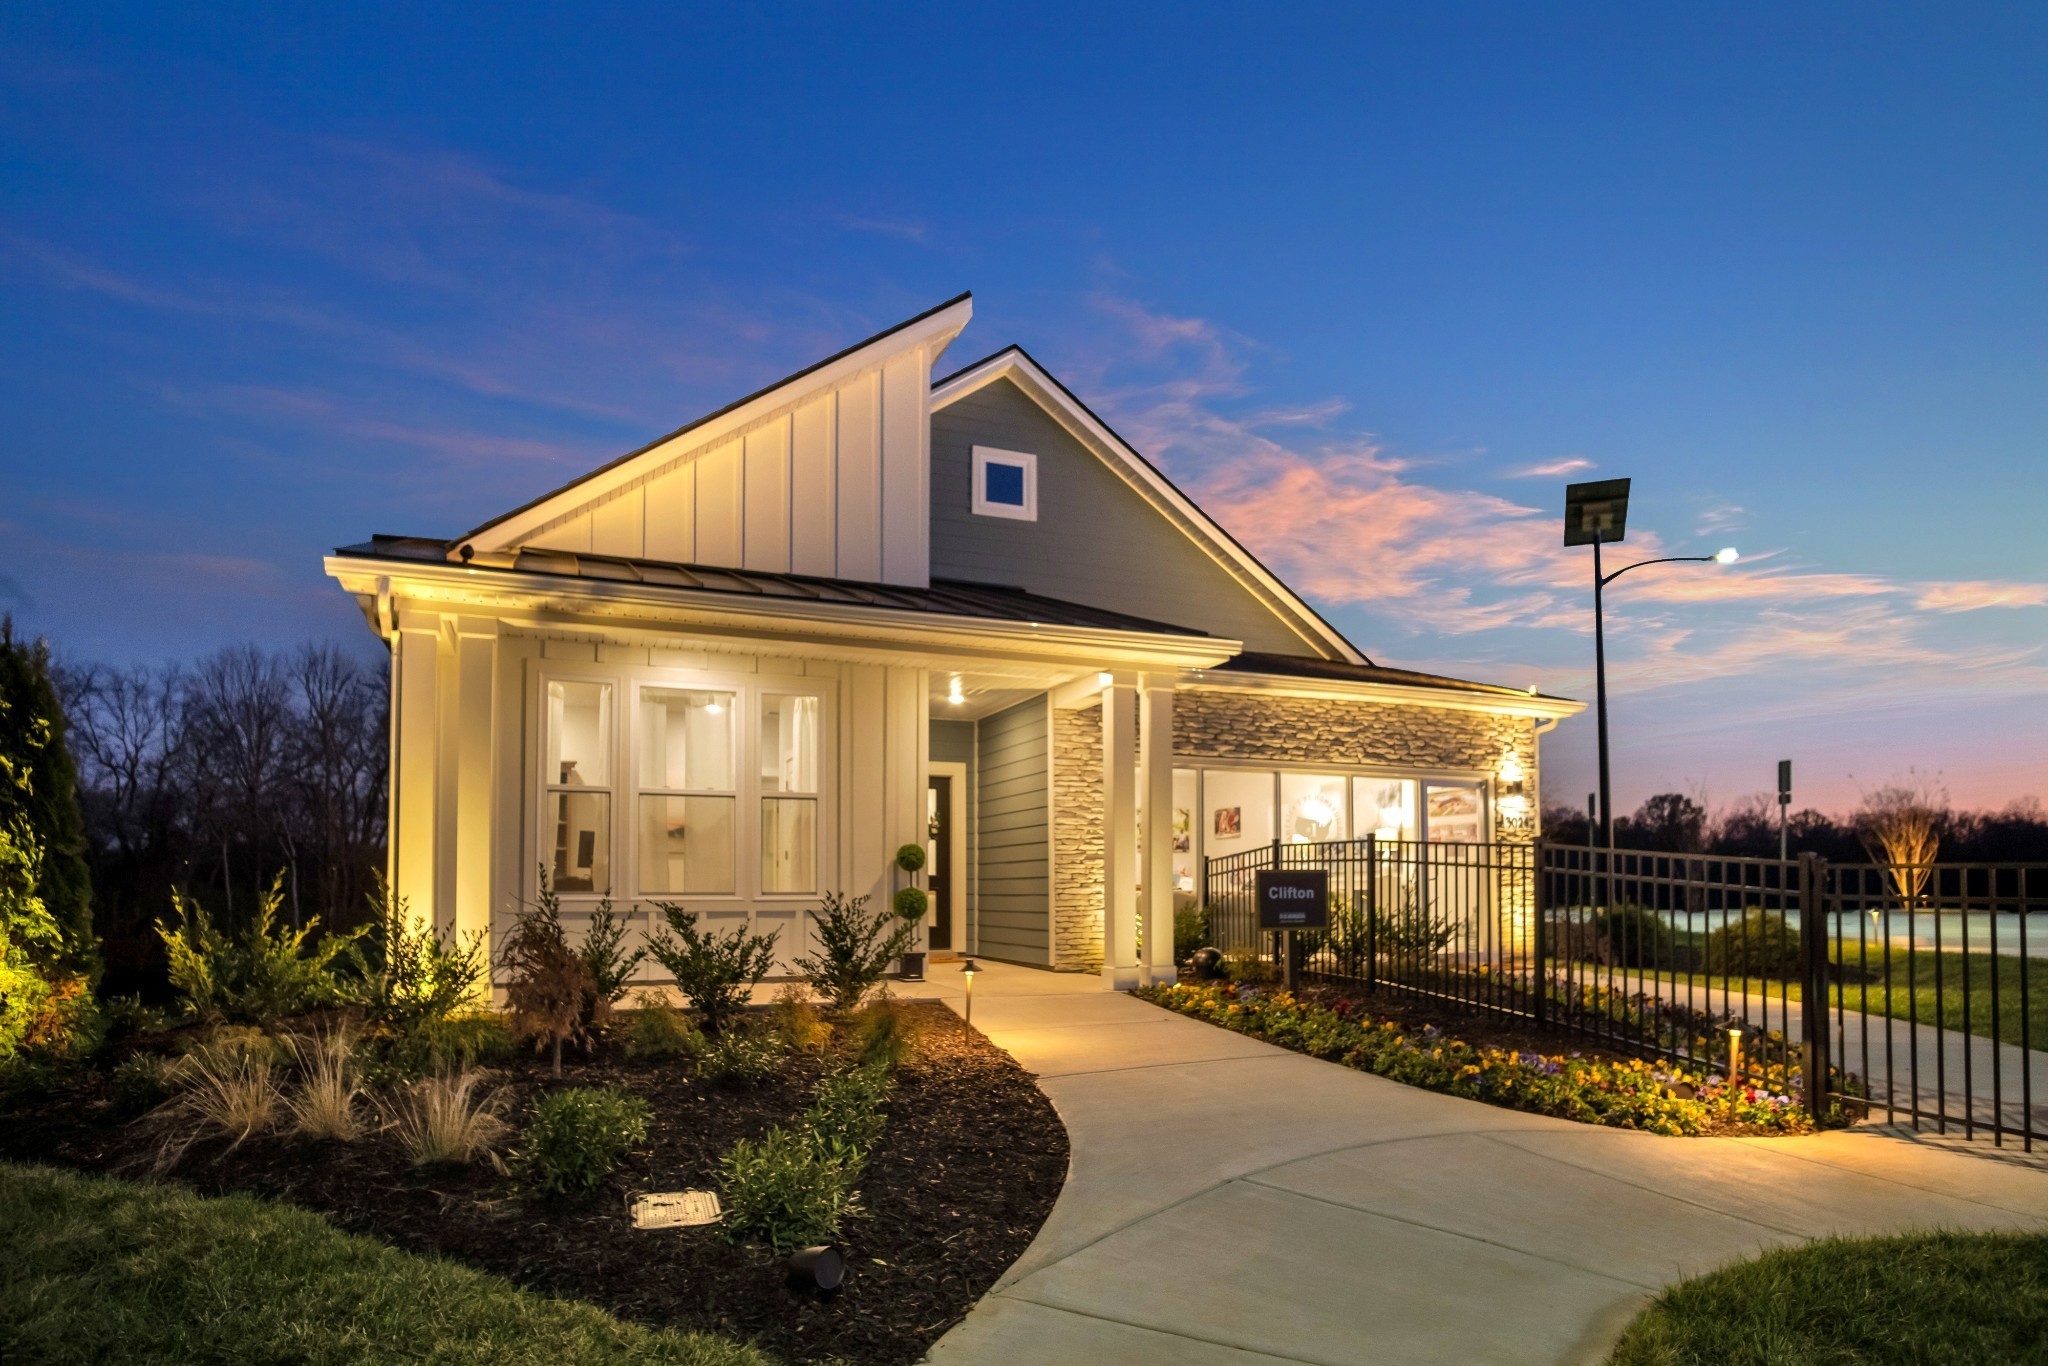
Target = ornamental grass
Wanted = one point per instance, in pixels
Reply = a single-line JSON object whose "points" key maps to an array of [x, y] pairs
{"points": [[1661, 1098]]}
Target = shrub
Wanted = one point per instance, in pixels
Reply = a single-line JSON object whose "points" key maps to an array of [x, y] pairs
{"points": [[741, 1059], [911, 903], [657, 1030], [1636, 936], [324, 1106], [476, 1037], [446, 1119], [1190, 929], [880, 1035], [576, 1137], [547, 983], [416, 977], [796, 1022], [788, 1189], [716, 972], [847, 1106], [269, 973], [855, 948], [611, 968], [910, 857], [1761, 944], [1249, 968], [138, 1085]]}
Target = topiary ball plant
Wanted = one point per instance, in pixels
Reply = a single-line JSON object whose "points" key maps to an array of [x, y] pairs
{"points": [[911, 903], [910, 858]]}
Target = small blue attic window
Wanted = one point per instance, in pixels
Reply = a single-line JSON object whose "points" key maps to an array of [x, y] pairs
{"points": [[1005, 484]]}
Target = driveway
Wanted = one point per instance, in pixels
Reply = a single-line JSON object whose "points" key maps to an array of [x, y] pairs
{"points": [[1232, 1202]]}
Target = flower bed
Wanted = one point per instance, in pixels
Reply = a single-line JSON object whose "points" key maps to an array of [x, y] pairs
{"points": [[1622, 1093]]}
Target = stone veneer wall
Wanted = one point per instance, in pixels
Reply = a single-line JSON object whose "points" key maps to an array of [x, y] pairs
{"points": [[1309, 731], [1314, 730], [1077, 838]]}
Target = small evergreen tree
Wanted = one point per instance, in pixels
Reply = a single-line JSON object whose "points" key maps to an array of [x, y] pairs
{"points": [[32, 738], [853, 950], [717, 972]]}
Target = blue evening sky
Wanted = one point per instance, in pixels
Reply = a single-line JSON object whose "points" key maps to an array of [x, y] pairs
{"points": [[1373, 281]]}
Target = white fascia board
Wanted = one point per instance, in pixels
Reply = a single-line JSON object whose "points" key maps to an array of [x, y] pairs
{"points": [[1504, 703], [598, 603], [1021, 370], [934, 333]]}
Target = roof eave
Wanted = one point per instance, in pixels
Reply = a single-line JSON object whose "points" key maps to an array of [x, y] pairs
{"points": [[491, 589]]}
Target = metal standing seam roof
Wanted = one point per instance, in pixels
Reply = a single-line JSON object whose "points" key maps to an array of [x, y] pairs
{"points": [[945, 597]]}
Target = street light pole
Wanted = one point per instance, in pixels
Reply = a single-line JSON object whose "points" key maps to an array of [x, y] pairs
{"points": [[1600, 700]]}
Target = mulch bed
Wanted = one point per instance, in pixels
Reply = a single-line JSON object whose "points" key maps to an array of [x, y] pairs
{"points": [[966, 1172]]}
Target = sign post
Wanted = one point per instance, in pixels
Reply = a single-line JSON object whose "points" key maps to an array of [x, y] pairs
{"points": [[1784, 808], [1296, 899]]}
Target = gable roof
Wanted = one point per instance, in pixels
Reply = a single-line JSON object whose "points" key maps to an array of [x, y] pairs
{"points": [[1017, 365], [935, 326]]}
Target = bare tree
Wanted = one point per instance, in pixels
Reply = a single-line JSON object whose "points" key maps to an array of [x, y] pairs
{"points": [[1900, 825]]}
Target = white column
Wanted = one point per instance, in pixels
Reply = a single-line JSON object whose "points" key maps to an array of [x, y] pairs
{"points": [[1120, 837], [1155, 779], [415, 756], [475, 776]]}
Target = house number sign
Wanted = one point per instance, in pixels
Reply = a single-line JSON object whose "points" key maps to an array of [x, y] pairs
{"points": [[1294, 899]]}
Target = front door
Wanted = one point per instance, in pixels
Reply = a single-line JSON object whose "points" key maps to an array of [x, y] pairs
{"points": [[939, 859]]}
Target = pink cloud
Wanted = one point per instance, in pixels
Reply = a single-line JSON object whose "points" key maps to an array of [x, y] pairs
{"points": [[1970, 595], [1552, 469]]}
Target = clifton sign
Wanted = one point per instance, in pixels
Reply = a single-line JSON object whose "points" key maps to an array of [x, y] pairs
{"points": [[1296, 899]]}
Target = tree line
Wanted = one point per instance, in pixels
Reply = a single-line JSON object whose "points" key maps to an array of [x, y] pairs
{"points": [[216, 778], [1673, 822]]}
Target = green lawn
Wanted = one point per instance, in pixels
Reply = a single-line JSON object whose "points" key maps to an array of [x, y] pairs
{"points": [[1866, 988], [98, 1270], [1966, 1299]]}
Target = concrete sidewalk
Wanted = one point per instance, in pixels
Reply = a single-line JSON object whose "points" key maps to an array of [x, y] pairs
{"points": [[1233, 1202]]}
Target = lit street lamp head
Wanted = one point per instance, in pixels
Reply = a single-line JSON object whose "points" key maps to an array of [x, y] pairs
{"points": [[1727, 555]]}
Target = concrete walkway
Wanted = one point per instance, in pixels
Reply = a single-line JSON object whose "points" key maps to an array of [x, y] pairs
{"points": [[1232, 1202]]}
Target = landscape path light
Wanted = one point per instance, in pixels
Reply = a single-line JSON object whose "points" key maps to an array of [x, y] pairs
{"points": [[967, 971], [1596, 514]]}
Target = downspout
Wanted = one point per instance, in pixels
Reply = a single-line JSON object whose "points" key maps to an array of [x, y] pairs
{"points": [[1542, 729]]}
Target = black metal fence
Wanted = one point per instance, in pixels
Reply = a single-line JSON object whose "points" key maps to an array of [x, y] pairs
{"points": [[1904, 993]]}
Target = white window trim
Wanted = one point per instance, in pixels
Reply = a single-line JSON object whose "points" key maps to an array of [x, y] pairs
{"points": [[984, 456], [627, 683]]}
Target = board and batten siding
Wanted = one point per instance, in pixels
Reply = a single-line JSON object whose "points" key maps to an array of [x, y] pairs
{"points": [[832, 485], [1097, 540], [953, 742], [1013, 832]]}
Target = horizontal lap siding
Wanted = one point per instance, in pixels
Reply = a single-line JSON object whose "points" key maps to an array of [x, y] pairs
{"points": [[953, 743], [1096, 541], [1012, 834]]}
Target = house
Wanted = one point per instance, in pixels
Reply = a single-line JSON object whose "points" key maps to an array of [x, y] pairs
{"points": [[865, 608]]}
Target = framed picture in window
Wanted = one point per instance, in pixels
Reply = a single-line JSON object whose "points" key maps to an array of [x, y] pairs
{"points": [[1229, 822]]}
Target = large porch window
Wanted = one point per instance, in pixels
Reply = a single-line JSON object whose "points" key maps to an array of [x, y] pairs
{"points": [[693, 790], [1221, 811]]}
